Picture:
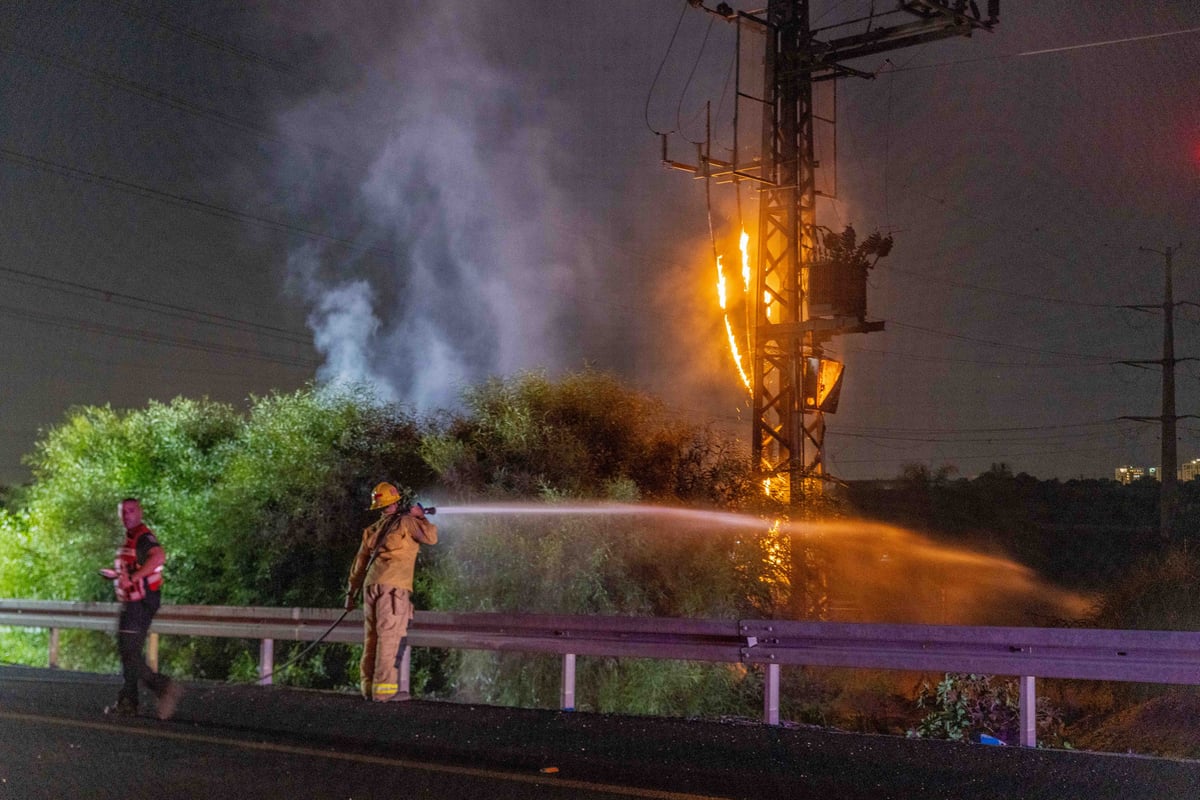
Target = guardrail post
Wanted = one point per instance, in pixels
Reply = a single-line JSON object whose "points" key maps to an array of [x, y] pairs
{"points": [[266, 661], [404, 685], [568, 682], [771, 694], [1028, 702], [152, 651], [54, 648]]}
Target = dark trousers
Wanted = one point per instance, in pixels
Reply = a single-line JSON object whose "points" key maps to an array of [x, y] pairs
{"points": [[132, 630]]}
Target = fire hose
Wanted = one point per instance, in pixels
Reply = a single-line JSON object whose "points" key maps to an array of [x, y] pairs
{"points": [[305, 651]]}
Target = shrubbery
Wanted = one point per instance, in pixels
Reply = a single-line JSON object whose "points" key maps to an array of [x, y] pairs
{"points": [[265, 507], [961, 707]]}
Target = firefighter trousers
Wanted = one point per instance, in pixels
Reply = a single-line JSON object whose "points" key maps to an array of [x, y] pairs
{"points": [[387, 611]]}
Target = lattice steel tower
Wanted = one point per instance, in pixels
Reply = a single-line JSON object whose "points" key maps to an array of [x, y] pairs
{"points": [[806, 293]]}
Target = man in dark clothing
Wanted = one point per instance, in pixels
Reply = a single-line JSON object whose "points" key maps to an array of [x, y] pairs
{"points": [[138, 581]]}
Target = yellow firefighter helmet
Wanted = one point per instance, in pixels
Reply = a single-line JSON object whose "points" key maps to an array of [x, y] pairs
{"points": [[384, 495]]}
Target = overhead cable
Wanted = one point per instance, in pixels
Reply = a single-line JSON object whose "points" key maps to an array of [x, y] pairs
{"points": [[180, 201], [59, 321], [154, 306], [1052, 50], [658, 73]]}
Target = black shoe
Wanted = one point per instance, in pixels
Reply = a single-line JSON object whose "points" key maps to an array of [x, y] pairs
{"points": [[124, 707]]}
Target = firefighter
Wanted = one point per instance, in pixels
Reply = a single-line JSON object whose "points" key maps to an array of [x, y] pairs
{"points": [[383, 570]]}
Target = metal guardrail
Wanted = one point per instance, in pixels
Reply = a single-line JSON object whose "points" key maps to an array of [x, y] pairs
{"points": [[1028, 653], [1082, 653]]}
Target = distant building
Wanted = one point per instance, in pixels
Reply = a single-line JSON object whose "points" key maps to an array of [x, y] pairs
{"points": [[1129, 474], [1190, 471]]}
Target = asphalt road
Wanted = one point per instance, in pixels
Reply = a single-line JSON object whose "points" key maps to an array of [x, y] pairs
{"points": [[254, 742]]}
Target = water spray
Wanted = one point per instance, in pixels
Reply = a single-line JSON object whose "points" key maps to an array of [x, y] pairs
{"points": [[695, 515]]}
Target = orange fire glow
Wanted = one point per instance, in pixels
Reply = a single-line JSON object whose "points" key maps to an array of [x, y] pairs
{"points": [[722, 299], [744, 246]]}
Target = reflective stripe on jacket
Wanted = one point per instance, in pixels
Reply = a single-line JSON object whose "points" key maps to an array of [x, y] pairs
{"points": [[127, 562]]}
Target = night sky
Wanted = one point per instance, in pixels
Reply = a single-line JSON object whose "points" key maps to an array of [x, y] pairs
{"points": [[224, 199]]}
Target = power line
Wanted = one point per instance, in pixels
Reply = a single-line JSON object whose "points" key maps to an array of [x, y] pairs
{"points": [[129, 9], [180, 201], [949, 335], [106, 364], [1050, 50], [141, 90], [1126, 40], [658, 73], [924, 439], [158, 96], [959, 457], [992, 290], [1016, 429], [84, 326], [154, 306], [679, 126], [975, 362]]}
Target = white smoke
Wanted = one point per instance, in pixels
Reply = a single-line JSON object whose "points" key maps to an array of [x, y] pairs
{"points": [[460, 198]]}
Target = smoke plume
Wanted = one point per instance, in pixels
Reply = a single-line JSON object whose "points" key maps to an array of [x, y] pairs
{"points": [[442, 177]]}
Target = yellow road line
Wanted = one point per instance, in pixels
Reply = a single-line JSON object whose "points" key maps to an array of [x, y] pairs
{"points": [[471, 772]]}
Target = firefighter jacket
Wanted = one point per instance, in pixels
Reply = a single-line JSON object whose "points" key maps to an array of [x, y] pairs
{"points": [[388, 552]]}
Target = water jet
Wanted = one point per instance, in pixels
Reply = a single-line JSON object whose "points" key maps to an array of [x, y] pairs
{"points": [[847, 570]]}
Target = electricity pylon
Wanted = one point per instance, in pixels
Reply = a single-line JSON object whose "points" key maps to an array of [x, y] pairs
{"points": [[1169, 465], [803, 295]]}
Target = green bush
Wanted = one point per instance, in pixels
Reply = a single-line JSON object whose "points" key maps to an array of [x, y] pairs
{"points": [[265, 507], [585, 435], [257, 509]]}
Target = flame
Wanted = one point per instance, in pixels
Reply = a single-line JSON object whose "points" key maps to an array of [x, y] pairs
{"points": [[737, 356], [720, 283], [776, 489], [721, 298], [743, 245]]}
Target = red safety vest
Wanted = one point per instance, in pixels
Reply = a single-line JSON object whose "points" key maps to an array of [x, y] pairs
{"points": [[126, 563]]}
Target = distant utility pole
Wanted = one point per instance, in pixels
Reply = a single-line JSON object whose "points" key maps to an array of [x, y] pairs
{"points": [[805, 294], [1169, 465]]}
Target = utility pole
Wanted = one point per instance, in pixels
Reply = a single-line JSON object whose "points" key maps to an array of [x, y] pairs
{"points": [[804, 296], [1168, 503]]}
